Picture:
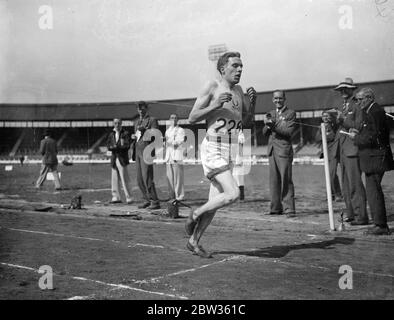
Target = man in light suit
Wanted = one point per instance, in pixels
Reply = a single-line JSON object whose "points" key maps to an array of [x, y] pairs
{"points": [[279, 126], [48, 150], [175, 138], [350, 120], [118, 142], [376, 156]]}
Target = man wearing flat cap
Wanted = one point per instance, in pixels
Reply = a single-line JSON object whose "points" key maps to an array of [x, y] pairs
{"points": [[145, 170], [350, 120]]}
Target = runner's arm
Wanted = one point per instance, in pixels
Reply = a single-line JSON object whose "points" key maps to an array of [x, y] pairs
{"points": [[202, 107]]}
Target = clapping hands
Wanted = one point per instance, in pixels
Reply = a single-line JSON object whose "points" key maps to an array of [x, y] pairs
{"points": [[252, 94]]}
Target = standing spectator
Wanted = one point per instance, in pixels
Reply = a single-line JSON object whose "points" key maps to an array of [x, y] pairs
{"points": [[333, 152], [175, 138], [48, 149], [349, 119], [376, 156], [145, 170], [279, 126], [118, 142]]}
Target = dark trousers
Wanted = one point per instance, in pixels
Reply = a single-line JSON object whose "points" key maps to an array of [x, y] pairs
{"points": [[375, 198], [335, 186], [281, 184], [353, 188], [145, 178]]}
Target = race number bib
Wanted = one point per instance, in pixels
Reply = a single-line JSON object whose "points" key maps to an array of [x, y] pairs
{"points": [[225, 126]]}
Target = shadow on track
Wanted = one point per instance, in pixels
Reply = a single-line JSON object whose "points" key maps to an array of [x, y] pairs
{"points": [[281, 251]]}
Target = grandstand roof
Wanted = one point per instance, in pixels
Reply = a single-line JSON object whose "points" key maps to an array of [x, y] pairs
{"points": [[304, 99]]}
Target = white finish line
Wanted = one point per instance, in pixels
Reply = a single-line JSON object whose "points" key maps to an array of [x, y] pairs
{"points": [[117, 286], [189, 270], [130, 245]]}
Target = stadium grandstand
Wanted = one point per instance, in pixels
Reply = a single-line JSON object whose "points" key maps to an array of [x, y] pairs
{"points": [[81, 129]]}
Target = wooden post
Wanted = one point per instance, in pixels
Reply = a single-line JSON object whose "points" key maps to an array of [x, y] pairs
{"points": [[327, 174]]}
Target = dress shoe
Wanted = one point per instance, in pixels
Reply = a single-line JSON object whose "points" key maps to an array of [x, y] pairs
{"points": [[114, 200], [276, 213], [154, 206], [58, 189], [129, 201], [144, 205], [291, 215], [346, 220], [359, 223], [378, 231]]}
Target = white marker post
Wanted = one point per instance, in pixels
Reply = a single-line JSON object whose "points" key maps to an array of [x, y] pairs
{"points": [[389, 115], [328, 181]]}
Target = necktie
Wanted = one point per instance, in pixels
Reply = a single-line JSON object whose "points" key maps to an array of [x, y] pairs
{"points": [[345, 107]]}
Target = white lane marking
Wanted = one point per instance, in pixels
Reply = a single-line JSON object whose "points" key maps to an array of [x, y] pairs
{"points": [[17, 266], [145, 245], [75, 190], [131, 245], [156, 279], [117, 286], [82, 297], [122, 286], [54, 234]]}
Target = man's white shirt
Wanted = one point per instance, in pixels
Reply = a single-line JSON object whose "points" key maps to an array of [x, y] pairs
{"points": [[174, 135]]}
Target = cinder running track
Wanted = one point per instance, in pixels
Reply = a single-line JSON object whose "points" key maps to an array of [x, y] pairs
{"points": [[256, 256]]}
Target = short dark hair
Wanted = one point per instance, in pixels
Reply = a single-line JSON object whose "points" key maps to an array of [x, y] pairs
{"points": [[224, 58], [142, 104]]}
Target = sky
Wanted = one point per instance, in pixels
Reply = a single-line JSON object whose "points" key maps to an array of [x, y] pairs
{"points": [[128, 50]]}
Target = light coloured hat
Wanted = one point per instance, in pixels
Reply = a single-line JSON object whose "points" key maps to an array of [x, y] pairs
{"points": [[347, 83]]}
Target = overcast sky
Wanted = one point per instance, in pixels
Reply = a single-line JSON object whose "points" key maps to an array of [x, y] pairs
{"points": [[127, 50]]}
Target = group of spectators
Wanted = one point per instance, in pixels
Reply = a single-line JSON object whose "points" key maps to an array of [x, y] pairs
{"points": [[358, 140], [119, 143]]}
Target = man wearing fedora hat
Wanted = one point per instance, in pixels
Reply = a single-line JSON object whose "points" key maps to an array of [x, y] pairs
{"points": [[349, 120], [48, 150]]}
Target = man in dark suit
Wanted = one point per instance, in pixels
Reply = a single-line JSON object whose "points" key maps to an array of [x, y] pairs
{"points": [[118, 142], [279, 126], [144, 169], [48, 150], [328, 118], [376, 156], [350, 120]]}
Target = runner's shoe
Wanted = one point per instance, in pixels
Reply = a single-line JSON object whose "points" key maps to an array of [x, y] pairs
{"points": [[199, 251]]}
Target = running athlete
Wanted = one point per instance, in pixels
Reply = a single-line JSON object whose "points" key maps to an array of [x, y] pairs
{"points": [[223, 105]]}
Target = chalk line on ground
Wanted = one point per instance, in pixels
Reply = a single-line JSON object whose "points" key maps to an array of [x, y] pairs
{"points": [[117, 286]]}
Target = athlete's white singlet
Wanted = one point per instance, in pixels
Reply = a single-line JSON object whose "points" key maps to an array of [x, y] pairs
{"points": [[215, 148]]}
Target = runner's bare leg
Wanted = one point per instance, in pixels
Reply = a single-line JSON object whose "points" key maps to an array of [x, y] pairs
{"points": [[223, 192]]}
